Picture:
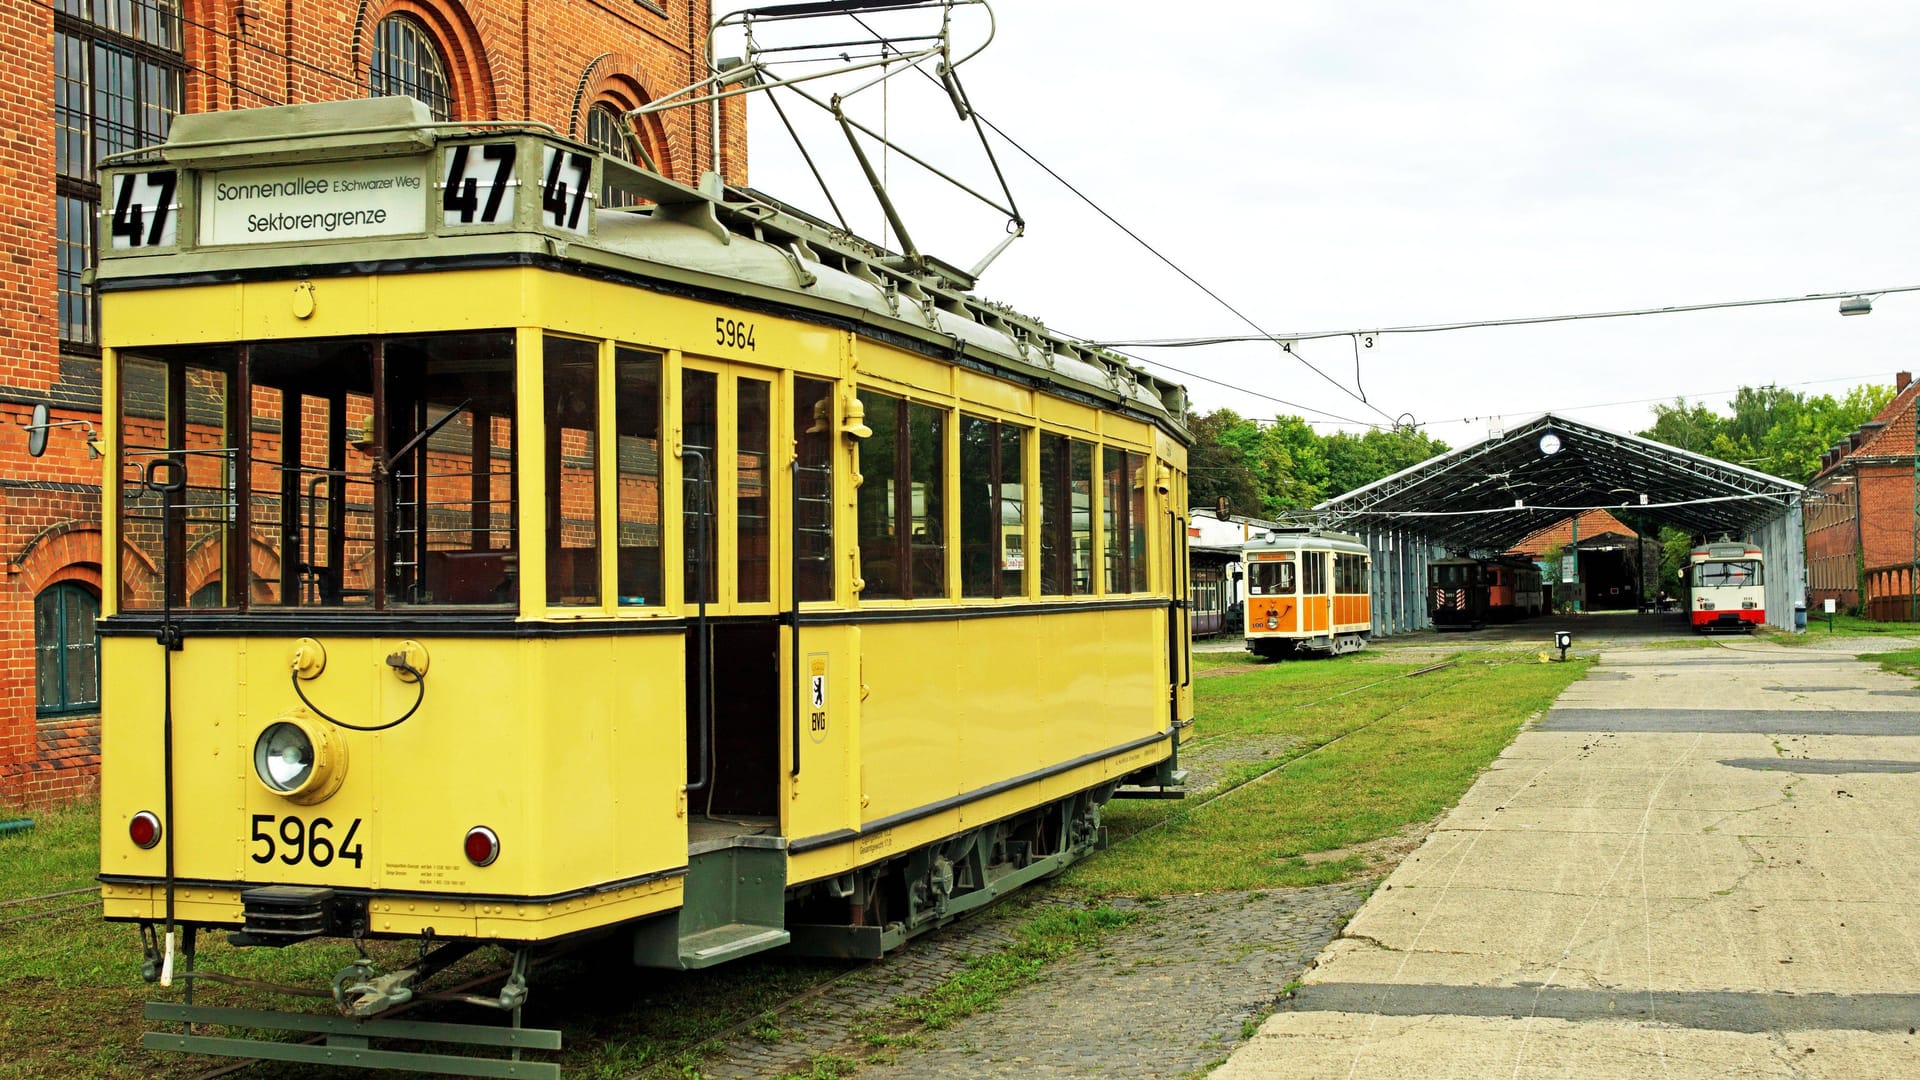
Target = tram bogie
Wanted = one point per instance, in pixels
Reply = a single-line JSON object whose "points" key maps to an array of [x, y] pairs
{"points": [[1726, 587], [616, 574], [1309, 592]]}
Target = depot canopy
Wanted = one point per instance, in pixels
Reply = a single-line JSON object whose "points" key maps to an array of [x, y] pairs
{"points": [[1495, 493]]}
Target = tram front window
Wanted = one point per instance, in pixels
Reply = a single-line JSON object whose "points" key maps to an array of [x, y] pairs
{"points": [[359, 489], [1270, 579], [1731, 572]]}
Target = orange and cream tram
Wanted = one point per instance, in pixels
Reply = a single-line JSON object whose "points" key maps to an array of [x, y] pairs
{"points": [[1308, 591], [498, 568]]}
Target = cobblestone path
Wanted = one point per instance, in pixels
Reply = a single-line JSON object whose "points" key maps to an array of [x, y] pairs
{"points": [[1164, 997]]}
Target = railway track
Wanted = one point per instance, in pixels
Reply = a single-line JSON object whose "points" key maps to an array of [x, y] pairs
{"points": [[9, 916]]}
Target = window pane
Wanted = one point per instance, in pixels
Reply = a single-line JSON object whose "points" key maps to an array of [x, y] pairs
{"points": [[1012, 511], [813, 532], [75, 243], [878, 508], [700, 428], [607, 131], [207, 504], [310, 482], [637, 425], [753, 495], [406, 63], [1115, 507], [1056, 538], [1082, 494], [927, 468], [80, 646], [979, 505], [46, 649], [73, 129], [1137, 519], [449, 438], [572, 395]]}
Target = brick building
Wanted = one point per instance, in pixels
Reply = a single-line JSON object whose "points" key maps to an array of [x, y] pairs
{"points": [[88, 78], [1619, 568], [1860, 515]]}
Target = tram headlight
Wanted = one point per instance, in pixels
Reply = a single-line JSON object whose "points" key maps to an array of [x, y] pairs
{"points": [[297, 759]]}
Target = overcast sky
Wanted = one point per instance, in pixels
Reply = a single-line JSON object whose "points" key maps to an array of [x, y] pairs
{"points": [[1332, 166]]}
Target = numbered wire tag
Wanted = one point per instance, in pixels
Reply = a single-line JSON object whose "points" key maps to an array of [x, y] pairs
{"points": [[145, 214], [566, 191], [478, 184]]}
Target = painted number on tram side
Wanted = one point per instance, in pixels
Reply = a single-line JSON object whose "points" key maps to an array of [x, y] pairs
{"points": [[143, 209], [295, 840], [564, 194], [733, 333], [474, 191]]}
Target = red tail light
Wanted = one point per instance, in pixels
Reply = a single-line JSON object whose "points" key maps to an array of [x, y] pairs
{"points": [[144, 829], [482, 846]]}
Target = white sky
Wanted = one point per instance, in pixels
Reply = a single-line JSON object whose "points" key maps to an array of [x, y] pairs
{"points": [[1329, 165]]}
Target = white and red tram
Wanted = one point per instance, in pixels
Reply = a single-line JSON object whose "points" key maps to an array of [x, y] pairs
{"points": [[1727, 583]]}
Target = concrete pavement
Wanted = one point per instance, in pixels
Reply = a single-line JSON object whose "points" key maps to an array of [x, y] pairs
{"points": [[1699, 863]]}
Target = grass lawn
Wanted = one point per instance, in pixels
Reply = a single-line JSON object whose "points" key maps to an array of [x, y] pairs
{"points": [[1846, 626], [1302, 770], [1330, 755]]}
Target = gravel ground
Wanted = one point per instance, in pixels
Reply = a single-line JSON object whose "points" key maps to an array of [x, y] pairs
{"points": [[1166, 996]]}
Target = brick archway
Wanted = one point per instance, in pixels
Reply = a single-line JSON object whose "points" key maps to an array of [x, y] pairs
{"points": [[468, 71], [66, 552]]}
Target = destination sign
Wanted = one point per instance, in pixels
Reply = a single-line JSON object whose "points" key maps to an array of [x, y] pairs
{"points": [[336, 201]]}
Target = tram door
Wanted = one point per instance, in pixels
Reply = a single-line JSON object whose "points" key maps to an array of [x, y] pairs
{"points": [[733, 642]]}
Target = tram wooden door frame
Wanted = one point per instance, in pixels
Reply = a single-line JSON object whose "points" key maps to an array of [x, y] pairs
{"points": [[742, 665]]}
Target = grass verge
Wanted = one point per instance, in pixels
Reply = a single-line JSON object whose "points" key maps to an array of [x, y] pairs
{"points": [[1329, 756]]}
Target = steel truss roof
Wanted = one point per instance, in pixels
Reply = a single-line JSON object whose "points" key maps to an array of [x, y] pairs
{"points": [[1490, 496]]}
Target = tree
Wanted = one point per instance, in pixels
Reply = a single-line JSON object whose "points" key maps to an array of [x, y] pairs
{"points": [[1782, 432]]}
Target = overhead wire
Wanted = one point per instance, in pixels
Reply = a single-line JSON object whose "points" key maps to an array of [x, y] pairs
{"points": [[1142, 241]]}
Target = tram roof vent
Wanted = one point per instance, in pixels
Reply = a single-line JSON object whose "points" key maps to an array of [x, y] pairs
{"points": [[318, 131]]}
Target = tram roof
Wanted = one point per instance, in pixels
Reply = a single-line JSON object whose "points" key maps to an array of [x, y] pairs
{"points": [[721, 240], [1493, 494]]}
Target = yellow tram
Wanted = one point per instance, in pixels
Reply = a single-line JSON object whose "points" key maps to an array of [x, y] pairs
{"points": [[498, 568], [1308, 591]]}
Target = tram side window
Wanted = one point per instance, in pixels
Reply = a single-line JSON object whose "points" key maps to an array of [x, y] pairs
{"points": [[926, 466], [1137, 520], [448, 447], [177, 407], [1350, 574], [1117, 511], [310, 490], [879, 527], [992, 509], [1313, 574], [636, 424], [813, 436], [902, 503], [753, 490], [572, 410], [1055, 522]]}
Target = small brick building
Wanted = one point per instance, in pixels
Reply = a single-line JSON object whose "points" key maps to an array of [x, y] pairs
{"points": [[1619, 568], [88, 78], [1860, 515]]}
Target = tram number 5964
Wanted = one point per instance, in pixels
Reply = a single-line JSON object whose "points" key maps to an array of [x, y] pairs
{"points": [[295, 840], [733, 333]]}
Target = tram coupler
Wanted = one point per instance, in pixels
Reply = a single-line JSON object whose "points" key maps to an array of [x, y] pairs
{"points": [[361, 993], [150, 959]]}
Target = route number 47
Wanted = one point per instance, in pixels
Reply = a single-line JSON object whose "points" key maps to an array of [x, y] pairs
{"points": [[144, 213]]}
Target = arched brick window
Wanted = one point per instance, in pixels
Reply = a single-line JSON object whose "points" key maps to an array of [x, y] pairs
{"points": [[66, 652], [406, 63], [609, 132]]}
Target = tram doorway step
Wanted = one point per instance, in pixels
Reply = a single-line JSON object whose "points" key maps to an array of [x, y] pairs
{"points": [[746, 719], [733, 905]]}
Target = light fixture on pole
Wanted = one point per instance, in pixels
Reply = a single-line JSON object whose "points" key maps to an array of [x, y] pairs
{"points": [[1857, 305]]}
